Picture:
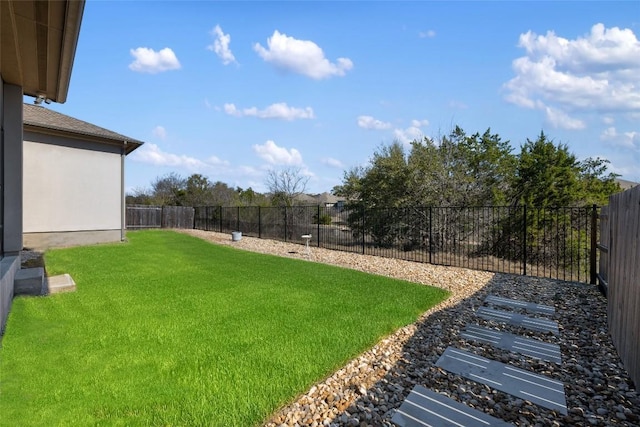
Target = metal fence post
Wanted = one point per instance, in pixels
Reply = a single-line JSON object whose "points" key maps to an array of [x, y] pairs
{"points": [[259, 223], [285, 223], [318, 225], [524, 240], [594, 244], [363, 213], [430, 234], [220, 218]]}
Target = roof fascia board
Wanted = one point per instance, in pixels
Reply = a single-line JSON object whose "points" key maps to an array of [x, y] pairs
{"points": [[128, 145], [73, 21]]}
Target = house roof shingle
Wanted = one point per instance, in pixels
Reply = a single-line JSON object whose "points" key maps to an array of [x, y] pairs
{"points": [[40, 117]]}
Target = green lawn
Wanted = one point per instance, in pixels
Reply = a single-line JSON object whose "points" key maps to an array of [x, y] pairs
{"points": [[171, 330]]}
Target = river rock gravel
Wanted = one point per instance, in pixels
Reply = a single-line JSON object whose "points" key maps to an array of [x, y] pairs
{"points": [[369, 389]]}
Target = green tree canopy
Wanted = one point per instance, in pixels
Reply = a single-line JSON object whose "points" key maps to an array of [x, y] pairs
{"points": [[547, 175]]}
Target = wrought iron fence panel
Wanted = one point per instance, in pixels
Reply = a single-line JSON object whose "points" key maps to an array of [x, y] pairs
{"points": [[544, 242]]}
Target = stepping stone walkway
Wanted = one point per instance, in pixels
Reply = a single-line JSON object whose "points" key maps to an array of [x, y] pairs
{"points": [[535, 388], [533, 323], [515, 343], [427, 408]]}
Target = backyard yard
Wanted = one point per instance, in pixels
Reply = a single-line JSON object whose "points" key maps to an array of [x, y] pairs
{"points": [[168, 329]]}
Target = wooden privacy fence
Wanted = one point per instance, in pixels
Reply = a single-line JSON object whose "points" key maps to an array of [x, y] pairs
{"points": [[139, 217], [620, 274]]}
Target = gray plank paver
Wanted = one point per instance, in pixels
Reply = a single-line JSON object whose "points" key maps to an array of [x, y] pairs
{"points": [[515, 343], [424, 407], [533, 323], [538, 389], [529, 306]]}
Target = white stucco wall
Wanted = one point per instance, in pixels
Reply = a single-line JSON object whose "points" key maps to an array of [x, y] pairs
{"points": [[68, 188]]}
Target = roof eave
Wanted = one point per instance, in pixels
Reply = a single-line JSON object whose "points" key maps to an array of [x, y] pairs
{"points": [[74, 12], [129, 145]]}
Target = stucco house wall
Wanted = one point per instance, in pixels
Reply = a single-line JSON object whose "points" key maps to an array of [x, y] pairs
{"points": [[73, 181], [37, 49], [11, 197]]}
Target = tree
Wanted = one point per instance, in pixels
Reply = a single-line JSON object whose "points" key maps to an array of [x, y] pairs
{"points": [[548, 181], [197, 191], [454, 172], [285, 188], [168, 190], [597, 184], [139, 196], [250, 197], [461, 170], [286, 185], [222, 194], [546, 175]]}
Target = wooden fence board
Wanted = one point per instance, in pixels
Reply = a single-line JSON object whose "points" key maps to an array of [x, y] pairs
{"points": [[144, 217], [623, 272], [139, 217]]}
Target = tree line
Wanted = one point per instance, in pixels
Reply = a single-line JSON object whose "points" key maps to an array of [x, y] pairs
{"points": [[457, 172], [477, 170], [286, 186]]}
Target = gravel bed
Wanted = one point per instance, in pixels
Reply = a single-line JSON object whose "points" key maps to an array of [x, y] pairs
{"points": [[368, 390]]}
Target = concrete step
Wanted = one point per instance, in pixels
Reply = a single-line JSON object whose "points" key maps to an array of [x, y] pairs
{"points": [[29, 281], [59, 284]]}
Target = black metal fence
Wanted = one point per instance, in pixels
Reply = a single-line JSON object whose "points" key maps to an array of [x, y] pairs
{"points": [[556, 243]]}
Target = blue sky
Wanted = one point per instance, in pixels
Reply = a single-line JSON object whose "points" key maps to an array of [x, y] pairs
{"points": [[233, 89]]}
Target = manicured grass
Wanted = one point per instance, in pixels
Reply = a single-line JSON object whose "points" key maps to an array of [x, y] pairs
{"points": [[171, 330]]}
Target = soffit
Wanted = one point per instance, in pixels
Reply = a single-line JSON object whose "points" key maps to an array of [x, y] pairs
{"points": [[38, 40]]}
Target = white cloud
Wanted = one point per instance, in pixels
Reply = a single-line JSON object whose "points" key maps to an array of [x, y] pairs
{"points": [[560, 119], [608, 134], [160, 132], [301, 56], [458, 105], [427, 34], [275, 155], [368, 122], [419, 123], [149, 61], [408, 135], [274, 111], [334, 163], [152, 154], [216, 161], [221, 46], [629, 140], [411, 133], [599, 72]]}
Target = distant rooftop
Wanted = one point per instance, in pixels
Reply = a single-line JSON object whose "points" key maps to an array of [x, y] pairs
{"points": [[37, 116], [625, 185]]}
